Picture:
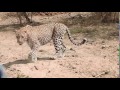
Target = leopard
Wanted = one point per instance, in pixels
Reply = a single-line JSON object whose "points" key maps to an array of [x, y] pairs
{"points": [[41, 35]]}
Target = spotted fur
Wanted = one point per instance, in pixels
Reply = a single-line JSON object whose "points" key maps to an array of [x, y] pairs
{"points": [[43, 34]]}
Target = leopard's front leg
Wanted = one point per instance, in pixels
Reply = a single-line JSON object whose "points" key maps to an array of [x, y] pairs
{"points": [[33, 54]]}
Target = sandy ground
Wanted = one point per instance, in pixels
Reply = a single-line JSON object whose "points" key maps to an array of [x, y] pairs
{"points": [[95, 59]]}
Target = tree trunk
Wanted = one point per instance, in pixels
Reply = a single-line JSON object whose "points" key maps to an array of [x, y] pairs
{"points": [[24, 15]]}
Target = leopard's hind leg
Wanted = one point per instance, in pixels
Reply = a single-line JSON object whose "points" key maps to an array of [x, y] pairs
{"points": [[59, 46]]}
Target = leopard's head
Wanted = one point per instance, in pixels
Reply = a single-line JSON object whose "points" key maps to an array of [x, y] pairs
{"points": [[21, 36]]}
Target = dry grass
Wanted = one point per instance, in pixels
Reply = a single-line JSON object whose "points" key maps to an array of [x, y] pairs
{"points": [[107, 17], [92, 27], [102, 31], [22, 76]]}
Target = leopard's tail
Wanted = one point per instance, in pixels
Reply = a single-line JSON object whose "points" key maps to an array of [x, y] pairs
{"points": [[73, 40]]}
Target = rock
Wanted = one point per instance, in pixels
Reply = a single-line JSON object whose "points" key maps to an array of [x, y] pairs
{"points": [[41, 50], [73, 67], [72, 49], [36, 67], [49, 71], [1, 55], [61, 64], [52, 58], [76, 72], [103, 46], [106, 46], [103, 42], [105, 57], [74, 55]]}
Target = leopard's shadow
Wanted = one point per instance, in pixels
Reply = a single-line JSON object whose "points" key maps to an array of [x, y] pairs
{"points": [[25, 61]]}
